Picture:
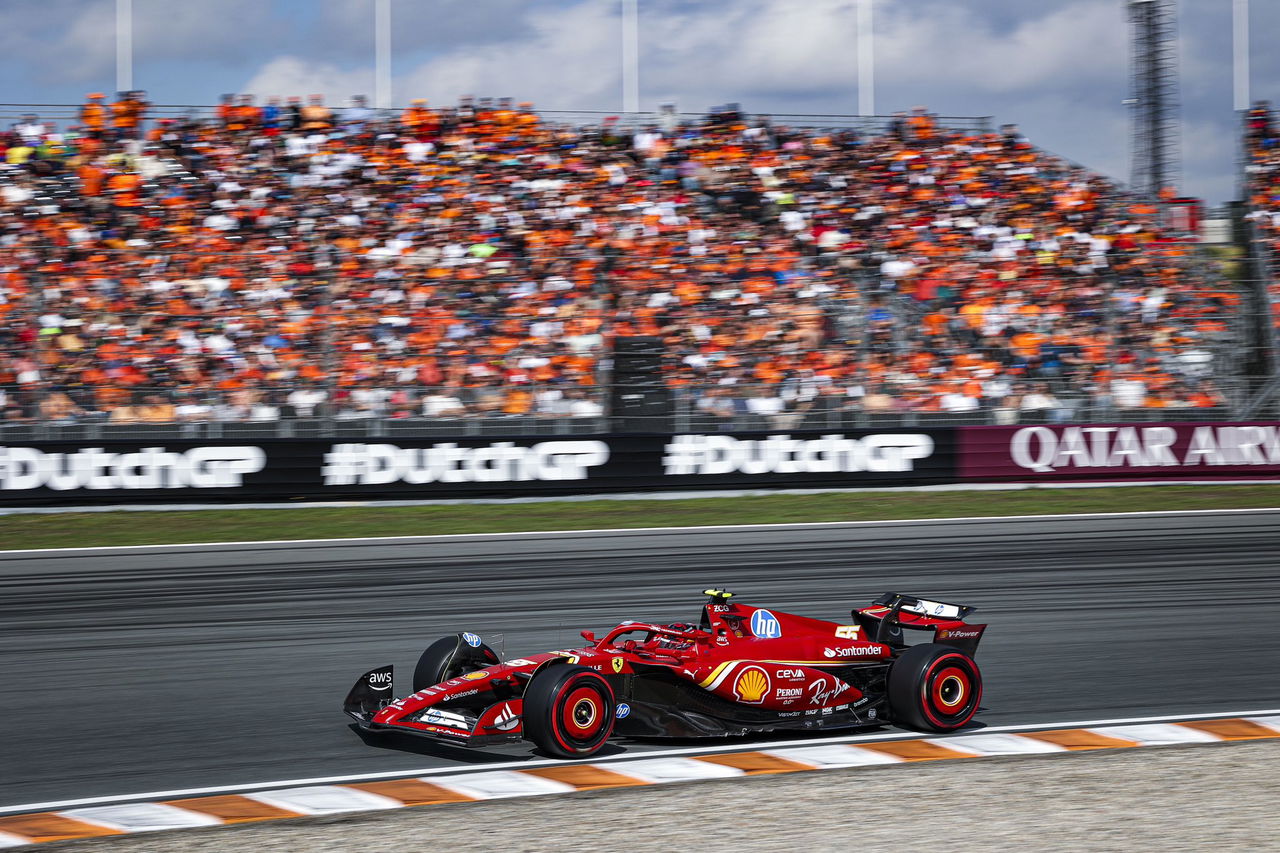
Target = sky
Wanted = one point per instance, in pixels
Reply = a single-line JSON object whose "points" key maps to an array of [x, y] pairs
{"points": [[1057, 68]]}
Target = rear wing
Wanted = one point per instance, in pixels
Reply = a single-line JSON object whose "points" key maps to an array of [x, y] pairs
{"points": [[884, 620]]}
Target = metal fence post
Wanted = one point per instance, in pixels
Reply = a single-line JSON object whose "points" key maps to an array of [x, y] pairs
{"points": [[42, 386], [328, 348], [1109, 322]]}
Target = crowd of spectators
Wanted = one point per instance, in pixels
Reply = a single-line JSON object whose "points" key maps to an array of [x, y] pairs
{"points": [[293, 259]]}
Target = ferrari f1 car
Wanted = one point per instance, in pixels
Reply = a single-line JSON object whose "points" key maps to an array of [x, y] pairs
{"points": [[740, 670]]}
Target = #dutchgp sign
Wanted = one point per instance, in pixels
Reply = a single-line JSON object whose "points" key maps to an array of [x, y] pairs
{"points": [[27, 468], [447, 462], [782, 454]]}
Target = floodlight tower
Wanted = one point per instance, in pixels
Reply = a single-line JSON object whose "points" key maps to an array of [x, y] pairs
{"points": [[1156, 121]]}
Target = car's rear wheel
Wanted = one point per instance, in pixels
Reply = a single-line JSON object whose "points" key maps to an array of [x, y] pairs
{"points": [[450, 657], [934, 688], [568, 711]]}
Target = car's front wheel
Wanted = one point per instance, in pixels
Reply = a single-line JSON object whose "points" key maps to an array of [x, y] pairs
{"points": [[934, 688], [450, 657], [568, 711]]}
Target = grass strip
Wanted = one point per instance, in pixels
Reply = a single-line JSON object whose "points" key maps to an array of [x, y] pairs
{"points": [[224, 525]]}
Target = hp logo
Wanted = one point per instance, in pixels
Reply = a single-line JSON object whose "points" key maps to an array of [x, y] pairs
{"points": [[765, 625]]}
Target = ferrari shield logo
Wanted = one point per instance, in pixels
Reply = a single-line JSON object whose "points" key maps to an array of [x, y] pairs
{"points": [[617, 664]]}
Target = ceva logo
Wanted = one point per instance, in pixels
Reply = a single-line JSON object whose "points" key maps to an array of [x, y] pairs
{"points": [[765, 625]]}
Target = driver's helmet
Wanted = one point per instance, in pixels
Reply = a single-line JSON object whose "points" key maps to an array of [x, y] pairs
{"points": [[665, 642]]}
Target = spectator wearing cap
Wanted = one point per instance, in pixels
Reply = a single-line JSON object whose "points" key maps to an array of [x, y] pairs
{"points": [[93, 115], [315, 115], [127, 114]]}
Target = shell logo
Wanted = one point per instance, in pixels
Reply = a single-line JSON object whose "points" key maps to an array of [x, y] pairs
{"points": [[751, 685]]}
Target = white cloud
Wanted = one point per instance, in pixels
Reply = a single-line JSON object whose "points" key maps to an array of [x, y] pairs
{"points": [[88, 44], [568, 61], [1069, 45], [1059, 70], [81, 36], [289, 75], [569, 57], [344, 28]]}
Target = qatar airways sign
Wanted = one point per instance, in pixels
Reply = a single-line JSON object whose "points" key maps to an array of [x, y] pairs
{"points": [[1113, 451]]}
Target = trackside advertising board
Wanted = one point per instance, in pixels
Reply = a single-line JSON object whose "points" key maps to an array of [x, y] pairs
{"points": [[155, 471], [1120, 452], [163, 471]]}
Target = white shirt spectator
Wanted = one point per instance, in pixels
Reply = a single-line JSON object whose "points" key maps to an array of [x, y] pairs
{"points": [[955, 401], [374, 399], [645, 140], [1128, 393], [264, 412], [1038, 402], [896, 268], [1196, 362], [221, 222], [418, 152], [31, 132], [193, 412], [305, 400], [440, 405], [764, 405], [585, 409], [15, 195], [550, 401]]}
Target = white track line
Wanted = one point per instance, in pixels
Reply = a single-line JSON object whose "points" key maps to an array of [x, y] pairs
{"points": [[264, 787], [404, 540], [596, 497]]}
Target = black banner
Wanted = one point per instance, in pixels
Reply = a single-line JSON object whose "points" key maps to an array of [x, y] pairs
{"points": [[205, 471]]}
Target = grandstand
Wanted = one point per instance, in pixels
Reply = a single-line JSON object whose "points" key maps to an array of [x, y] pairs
{"points": [[295, 269]]}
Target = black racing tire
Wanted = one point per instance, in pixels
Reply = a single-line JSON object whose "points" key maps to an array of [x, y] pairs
{"points": [[934, 688], [568, 711], [443, 660]]}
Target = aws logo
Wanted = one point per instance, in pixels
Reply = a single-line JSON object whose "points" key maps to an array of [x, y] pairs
{"points": [[751, 685]]}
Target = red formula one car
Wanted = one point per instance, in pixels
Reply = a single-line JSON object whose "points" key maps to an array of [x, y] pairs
{"points": [[740, 670]]}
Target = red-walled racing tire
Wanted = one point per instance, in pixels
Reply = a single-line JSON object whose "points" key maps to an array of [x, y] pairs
{"points": [[442, 661], [934, 688], [568, 711]]}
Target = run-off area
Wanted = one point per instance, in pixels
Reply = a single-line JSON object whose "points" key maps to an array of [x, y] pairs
{"points": [[1219, 797]]}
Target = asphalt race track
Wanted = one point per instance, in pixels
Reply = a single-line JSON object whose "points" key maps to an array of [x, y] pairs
{"points": [[142, 670]]}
